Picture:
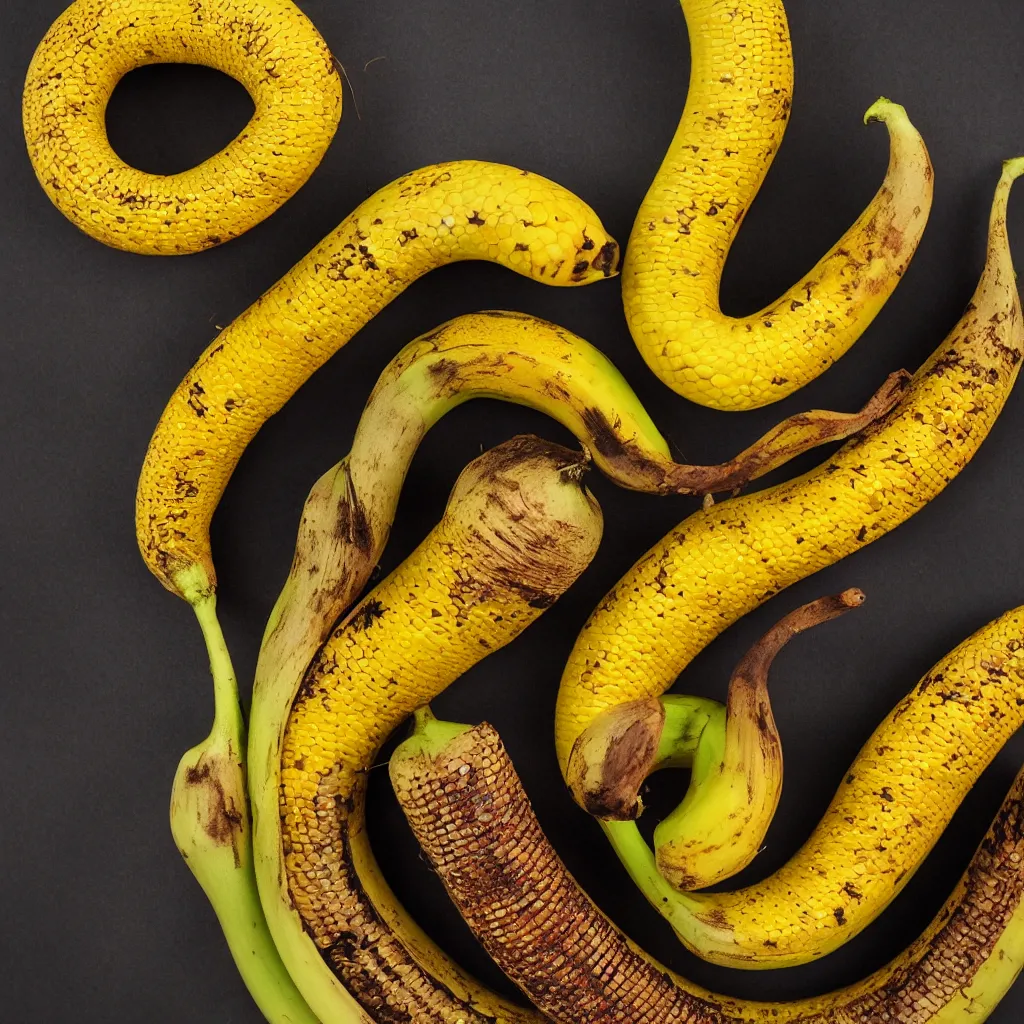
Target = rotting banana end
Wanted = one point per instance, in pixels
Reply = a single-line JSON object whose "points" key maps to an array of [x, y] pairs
{"points": [[469, 812], [518, 530]]}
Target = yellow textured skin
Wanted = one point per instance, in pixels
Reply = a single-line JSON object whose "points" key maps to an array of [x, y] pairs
{"points": [[269, 46], [741, 86], [431, 217], [518, 530], [470, 813], [726, 560], [895, 802]]}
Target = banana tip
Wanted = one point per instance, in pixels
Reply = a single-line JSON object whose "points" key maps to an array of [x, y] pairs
{"points": [[884, 109], [1013, 169]]}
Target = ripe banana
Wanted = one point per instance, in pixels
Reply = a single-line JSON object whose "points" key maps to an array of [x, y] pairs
{"points": [[728, 559], [894, 803], [737, 107], [269, 46], [438, 215], [468, 809], [517, 358], [735, 757], [519, 529]]}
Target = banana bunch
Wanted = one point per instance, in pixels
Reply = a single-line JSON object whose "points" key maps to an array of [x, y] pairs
{"points": [[270, 814]]}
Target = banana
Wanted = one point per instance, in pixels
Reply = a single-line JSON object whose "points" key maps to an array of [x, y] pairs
{"points": [[735, 757], [269, 46], [517, 358], [728, 559], [518, 530], [896, 800], [211, 827], [737, 107], [467, 807], [426, 219]]}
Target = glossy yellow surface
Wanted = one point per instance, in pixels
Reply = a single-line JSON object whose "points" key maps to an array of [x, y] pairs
{"points": [[269, 46], [426, 219], [741, 86]]}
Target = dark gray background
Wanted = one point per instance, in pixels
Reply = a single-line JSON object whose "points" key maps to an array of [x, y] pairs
{"points": [[106, 678]]}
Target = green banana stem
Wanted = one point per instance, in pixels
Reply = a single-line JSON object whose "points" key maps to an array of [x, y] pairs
{"points": [[210, 824]]}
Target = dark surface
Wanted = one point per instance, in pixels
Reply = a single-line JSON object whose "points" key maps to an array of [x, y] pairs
{"points": [[106, 677]]}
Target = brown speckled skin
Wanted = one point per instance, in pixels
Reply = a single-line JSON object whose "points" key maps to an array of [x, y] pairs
{"points": [[726, 560], [518, 530], [471, 815], [438, 215], [269, 46], [737, 107], [894, 803]]}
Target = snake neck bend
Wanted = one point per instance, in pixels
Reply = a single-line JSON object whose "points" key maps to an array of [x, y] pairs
{"points": [[736, 112]]}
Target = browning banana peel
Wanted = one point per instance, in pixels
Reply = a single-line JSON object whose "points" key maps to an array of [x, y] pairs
{"points": [[467, 807], [518, 530], [731, 557]]}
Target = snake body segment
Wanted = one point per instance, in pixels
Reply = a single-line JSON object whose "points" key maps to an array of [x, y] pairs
{"points": [[269, 46], [737, 107]]}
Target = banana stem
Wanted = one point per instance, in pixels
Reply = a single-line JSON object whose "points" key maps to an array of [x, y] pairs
{"points": [[227, 709]]}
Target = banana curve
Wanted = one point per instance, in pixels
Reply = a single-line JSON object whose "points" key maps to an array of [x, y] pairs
{"points": [[726, 560], [438, 215], [736, 112]]}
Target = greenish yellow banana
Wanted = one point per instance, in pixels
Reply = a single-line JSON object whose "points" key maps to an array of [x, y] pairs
{"points": [[471, 815], [516, 358], [737, 107], [518, 530], [734, 754], [211, 826], [269, 46], [728, 559]]}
